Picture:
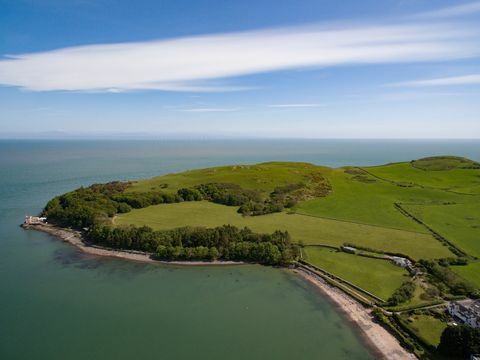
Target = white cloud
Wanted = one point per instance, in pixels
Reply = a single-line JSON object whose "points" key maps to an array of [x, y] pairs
{"points": [[305, 105], [458, 10], [191, 63], [201, 110], [472, 79]]}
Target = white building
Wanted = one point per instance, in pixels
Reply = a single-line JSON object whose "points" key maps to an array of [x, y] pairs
{"points": [[467, 311], [34, 220]]}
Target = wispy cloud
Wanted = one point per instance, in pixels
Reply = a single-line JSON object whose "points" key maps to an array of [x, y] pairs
{"points": [[472, 79], [192, 63], [458, 10], [202, 110], [304, 105]]}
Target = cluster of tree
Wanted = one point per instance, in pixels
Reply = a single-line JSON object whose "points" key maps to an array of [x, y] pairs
{"points": [[84, 206], [227, 194], [139, 200], [445, 279], [459, 342], [403, 293], [224, 242]]}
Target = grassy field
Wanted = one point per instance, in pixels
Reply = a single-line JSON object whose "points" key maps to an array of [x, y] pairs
{"points": [[459, 223], [364, 199], [458, 180], [379, 277], [263, 177], [427, 327], [470, 272], [310, 230]]}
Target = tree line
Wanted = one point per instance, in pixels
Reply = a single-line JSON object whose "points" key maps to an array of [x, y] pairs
{"points": [[196, 243]]}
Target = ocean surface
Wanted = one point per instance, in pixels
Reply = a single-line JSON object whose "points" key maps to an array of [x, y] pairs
{"points": [[58, 303]]}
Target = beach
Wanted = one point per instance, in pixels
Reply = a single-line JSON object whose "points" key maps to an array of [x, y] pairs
{"points": [[383, 344]]}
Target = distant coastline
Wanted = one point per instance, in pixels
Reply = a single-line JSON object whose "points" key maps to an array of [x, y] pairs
{"points": [[382, 344]]}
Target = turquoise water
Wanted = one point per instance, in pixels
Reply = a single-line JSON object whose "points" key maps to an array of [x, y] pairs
{"points": [[58, 303]]}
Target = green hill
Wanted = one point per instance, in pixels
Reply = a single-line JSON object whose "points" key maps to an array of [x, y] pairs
{"points": [[423, 209]]}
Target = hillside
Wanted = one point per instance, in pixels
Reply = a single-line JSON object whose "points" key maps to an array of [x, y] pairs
{"points": [[426, 209]]}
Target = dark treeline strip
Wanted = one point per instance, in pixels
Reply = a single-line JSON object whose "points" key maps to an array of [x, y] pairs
{"points": [[446, 280], [224, 243]]}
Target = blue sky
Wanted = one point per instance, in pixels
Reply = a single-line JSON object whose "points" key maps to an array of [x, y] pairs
{"points": [[316, 69]]}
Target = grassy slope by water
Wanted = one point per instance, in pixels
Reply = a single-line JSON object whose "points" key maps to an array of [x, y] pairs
{"points": [[371, 201], [310, 230], [263, 177], [359, 199], [379, 277], [458, 180]]}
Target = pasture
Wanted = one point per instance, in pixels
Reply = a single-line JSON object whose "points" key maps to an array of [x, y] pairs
{"points": [[459, 223], [380, 277], [306, 229]]}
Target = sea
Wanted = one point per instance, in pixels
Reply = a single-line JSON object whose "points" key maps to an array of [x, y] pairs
{"points": [[59, 303]]}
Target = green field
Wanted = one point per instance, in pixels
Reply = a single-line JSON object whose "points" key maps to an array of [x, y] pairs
{"points": [[470, 272], [427, 327], [380, 277], [263, 177], [308, 229], [459, 223], [368, 200], [447, 173]]}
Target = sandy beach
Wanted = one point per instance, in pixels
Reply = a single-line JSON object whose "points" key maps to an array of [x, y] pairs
{"points": [[384, 344]]}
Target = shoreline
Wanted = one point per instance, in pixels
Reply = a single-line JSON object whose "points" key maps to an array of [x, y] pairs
{"points": [[76, 239], [382, 344]]}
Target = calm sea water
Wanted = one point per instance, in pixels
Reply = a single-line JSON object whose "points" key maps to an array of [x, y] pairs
{"points": [[57, 303]]}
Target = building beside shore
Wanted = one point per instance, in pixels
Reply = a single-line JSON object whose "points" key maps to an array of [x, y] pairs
{"points": [[468, 312], [34, 220]]}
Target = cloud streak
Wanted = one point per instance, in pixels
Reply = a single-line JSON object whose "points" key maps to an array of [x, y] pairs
{"points": [[195, 64], [299, 105], [453, 11], [204, 110], [471, 79]]}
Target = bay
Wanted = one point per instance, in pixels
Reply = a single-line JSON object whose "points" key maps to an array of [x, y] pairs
{"points": [[58, 303]]}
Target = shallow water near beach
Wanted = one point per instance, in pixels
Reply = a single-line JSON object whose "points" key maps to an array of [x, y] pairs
{"points": [[59, 303]]}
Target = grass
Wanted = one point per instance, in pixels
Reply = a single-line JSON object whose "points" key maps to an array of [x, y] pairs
{"points": [[470, 272], [368, 200], [459, 223], [380, 277], [456, 179], [263, 177], [308, 229], [427, 327]]}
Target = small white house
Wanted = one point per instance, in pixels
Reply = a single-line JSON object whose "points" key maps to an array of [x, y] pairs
{"points": [[34, 220], [467, 311]]}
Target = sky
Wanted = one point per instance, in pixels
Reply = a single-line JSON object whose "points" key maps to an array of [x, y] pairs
{"points": [[216, 68]]}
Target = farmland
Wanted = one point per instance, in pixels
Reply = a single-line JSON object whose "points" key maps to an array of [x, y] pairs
{"points": [[306, 229], [380, 277]]}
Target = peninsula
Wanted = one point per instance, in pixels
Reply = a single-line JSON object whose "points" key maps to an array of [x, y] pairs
{"points": [[392, 243]]}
